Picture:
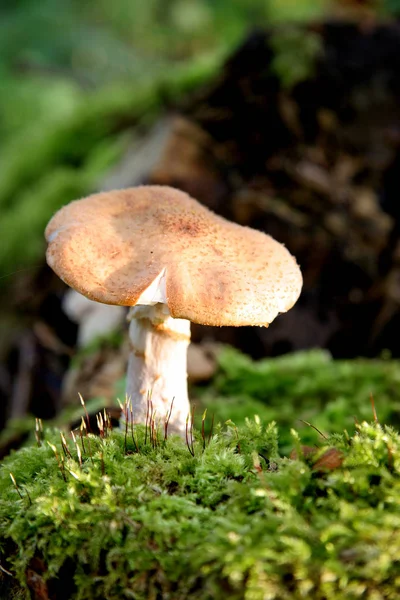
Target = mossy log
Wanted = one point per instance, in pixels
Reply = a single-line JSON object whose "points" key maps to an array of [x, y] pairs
{"points": [[121, 517]]}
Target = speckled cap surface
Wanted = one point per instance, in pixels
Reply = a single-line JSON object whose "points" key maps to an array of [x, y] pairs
{"points": [[111, 246]]}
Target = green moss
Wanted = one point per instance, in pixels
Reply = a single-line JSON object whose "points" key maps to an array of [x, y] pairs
{"points": [[234, 519], [296, 52], [309, 386], [294, 11], [239, 519]]}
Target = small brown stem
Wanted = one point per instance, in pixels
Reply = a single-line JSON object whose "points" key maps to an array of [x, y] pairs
{"points": [[132, 428], [78, 450], [373, 409], [167, 418], [313, 427], [39, 431], [191, 428], [86, 412], [3, 570], [16, 485], [64, 445], [203, 435], [100, 424], [60, 461], [147, 417], [211, 430]]}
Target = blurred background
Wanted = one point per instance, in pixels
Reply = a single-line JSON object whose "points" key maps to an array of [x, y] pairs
{"points": [[280, 115]]}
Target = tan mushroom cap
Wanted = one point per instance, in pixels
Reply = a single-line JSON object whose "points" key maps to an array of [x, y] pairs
{"points": [[111, 246]]}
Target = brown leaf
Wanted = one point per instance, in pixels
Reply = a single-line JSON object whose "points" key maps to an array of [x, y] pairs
{"points": [[37, 585], [330, 460]]}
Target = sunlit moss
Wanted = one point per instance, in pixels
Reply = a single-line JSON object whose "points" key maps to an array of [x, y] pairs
{"points": [[234, 519], [307, 386]]}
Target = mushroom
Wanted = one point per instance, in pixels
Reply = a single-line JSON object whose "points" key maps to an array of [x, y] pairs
{"points": [[173, 261], [94, 319]]}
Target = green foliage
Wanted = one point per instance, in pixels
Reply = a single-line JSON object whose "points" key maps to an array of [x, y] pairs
{"points": [[124, 39], [308, 385], [297, 11], [233, 520], [62, 155], [107, 41], [390, 7], [35, 98], [295, 55]]}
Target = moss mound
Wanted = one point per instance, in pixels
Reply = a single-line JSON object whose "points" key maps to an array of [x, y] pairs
{"points": [[222, 517], [309, 386], [240, 513]]}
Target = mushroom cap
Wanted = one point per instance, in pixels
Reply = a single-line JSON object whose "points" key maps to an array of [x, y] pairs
{"points": [[111, 247]]}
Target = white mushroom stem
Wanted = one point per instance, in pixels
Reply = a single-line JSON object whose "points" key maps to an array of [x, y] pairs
{"points": [[157, 366]]}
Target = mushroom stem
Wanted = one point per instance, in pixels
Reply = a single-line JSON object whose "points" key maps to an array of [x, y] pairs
{"points": [[157, 365]]}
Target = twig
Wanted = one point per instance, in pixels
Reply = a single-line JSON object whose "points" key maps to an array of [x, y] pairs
{"points": [[3, 570]]}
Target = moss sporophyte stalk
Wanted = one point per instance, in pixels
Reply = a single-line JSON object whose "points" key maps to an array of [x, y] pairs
{"points": [[146, 515]]}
